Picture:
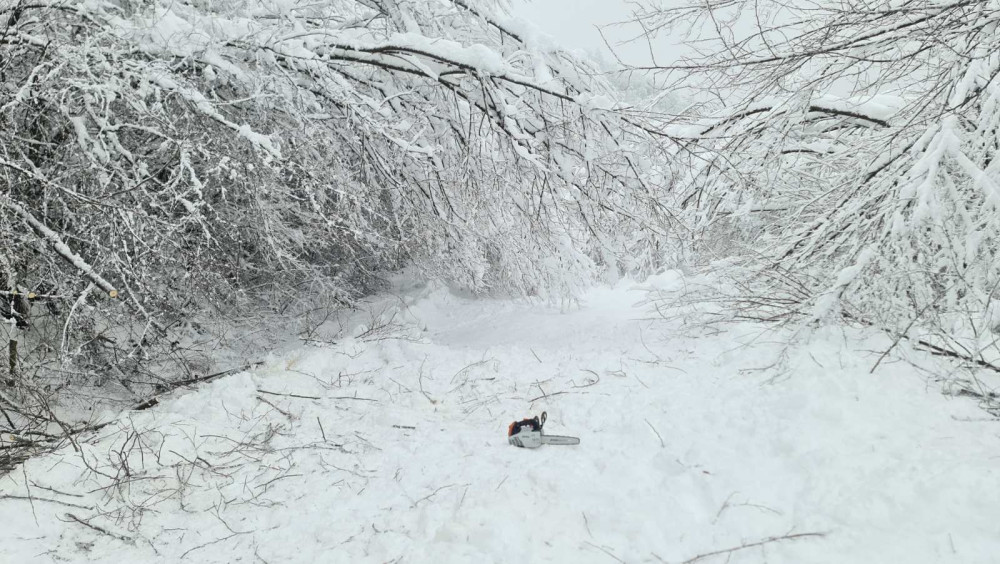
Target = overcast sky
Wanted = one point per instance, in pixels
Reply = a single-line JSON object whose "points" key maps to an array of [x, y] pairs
{"points": [[574, 24]]}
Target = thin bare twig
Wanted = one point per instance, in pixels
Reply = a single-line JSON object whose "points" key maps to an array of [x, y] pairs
{"points": [[662, 444], [282, 411], [102, 530], [300, 396], [544, 396], [190, 550], [321, 431], [435, 492], [27, 490], [534, 354], [36, 498], [605, 551], [420, 381], [753, 544]]}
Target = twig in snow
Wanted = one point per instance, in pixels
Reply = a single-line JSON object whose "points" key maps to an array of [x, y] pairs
{"points": [[34, 498], [903, 335], [275, 479], [420, 380], [464, 371], [534, 354], [171, 386], [289, 395], [281, 411], [726, 505], [434, 493], [320, 341], [544, 396], [37, 485], [366, 441], [605, 551], [586, 523], [752, 544], [102, 530], [401, 387], [662, 444], [28, 491], [589, 384], [993, 419], [941, 351], [758, 506], [190, 550], [642, 341], [321, 431]]}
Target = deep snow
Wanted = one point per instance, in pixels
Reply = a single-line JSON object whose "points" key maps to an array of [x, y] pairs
{"points": [[390, 447]]}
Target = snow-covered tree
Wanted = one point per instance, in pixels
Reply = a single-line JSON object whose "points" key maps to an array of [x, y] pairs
{"points": [[855, 142], [162, 159]]}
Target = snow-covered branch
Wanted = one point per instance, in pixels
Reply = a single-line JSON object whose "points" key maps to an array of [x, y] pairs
{"points": [[875, 128], [207, 157]]}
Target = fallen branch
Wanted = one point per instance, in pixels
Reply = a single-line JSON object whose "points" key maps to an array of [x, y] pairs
{"points": [[210, 377], [604, 550], [940, 351], [752, 544], [36, 498], [289, 395], [434, 493], [101, 529], [47, 442], [190, 550], [164, 389], [662, 444], [543, 396], [282, 411]]}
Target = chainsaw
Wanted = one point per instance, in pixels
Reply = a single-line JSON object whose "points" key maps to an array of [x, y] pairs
{"points": [[527, 433]]}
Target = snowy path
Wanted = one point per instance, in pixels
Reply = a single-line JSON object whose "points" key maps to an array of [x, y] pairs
{"points": [[393, 450]]}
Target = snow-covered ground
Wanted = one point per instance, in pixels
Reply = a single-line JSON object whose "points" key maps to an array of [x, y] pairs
{"points": [[389, 446]]}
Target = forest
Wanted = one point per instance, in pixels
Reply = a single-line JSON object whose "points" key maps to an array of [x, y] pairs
{"points": [[188, 187]]}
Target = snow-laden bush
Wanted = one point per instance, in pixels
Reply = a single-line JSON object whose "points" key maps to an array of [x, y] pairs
{"points": [[162, 160], [859, 141]]}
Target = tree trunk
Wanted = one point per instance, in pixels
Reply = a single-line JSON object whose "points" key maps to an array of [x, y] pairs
{"points": [[13, 314], [12, 353]]}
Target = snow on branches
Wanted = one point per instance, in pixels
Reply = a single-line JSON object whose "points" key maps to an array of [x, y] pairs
{"points": [[857, 143], [204, 154]]}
